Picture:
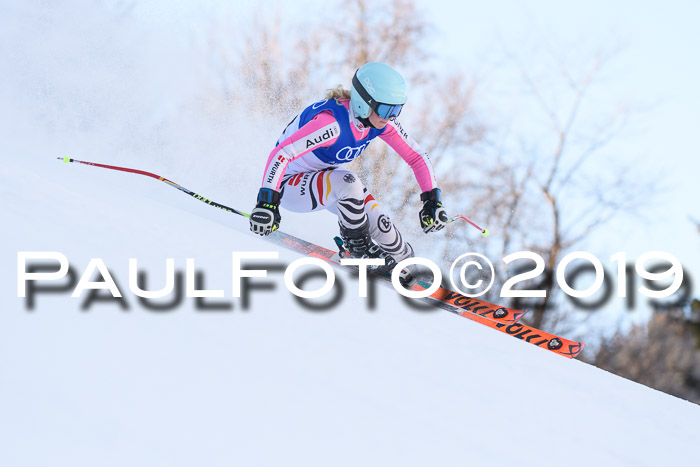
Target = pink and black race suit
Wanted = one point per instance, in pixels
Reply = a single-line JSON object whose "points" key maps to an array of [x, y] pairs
{"points": [[304, 166]]}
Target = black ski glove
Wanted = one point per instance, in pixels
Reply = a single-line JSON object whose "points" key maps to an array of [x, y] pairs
{"points": [[433, 215], [266, 218]]}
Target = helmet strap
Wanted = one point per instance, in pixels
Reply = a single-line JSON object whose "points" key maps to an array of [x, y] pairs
{"points": [[366, 122]]}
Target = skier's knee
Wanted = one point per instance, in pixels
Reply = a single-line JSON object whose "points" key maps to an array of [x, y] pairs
{"points": [[349, 186]]}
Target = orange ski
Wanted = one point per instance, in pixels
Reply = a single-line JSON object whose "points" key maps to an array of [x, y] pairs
{"points": [[551, 342]]}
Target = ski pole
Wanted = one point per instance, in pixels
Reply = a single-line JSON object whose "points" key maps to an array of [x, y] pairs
{"points": [[67, 159], [484, 232]]}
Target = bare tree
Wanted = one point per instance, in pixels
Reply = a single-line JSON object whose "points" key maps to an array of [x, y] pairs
{"points": [[538, 187], [373, 31], [276, 74], [542, 186], [662, 353], [278, 65], [561, 185]]}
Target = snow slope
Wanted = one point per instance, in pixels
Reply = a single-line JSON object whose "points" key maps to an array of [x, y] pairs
{"points": [[276, 384]]}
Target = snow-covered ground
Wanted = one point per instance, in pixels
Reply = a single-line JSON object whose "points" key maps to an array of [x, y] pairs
{"points": [[86, 383], [276, 384]]}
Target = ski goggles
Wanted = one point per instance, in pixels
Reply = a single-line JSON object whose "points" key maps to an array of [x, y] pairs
{"points": [[387, 111], [384, 111]]}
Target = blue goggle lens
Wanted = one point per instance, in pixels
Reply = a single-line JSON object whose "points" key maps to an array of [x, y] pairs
{"points": [[387, 111]]}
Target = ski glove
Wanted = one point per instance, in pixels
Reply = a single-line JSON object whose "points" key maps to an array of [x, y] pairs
{"points": [[433, 216], [266, 218]]}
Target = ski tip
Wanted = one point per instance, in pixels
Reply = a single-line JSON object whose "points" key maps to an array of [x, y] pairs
{"points": [[574, 350], [519, 314]]}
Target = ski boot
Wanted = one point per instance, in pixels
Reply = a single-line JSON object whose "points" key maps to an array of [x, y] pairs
{"points": [[357, 243]]}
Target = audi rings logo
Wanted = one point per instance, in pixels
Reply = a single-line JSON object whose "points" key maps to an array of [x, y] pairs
{"points": [[349, 153], [384, 223]]}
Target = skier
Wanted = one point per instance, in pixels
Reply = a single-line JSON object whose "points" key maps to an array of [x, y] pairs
{"points": [[303, 171]]}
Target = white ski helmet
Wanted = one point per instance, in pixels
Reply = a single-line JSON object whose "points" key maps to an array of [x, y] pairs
{"points": [[376, 86]]}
